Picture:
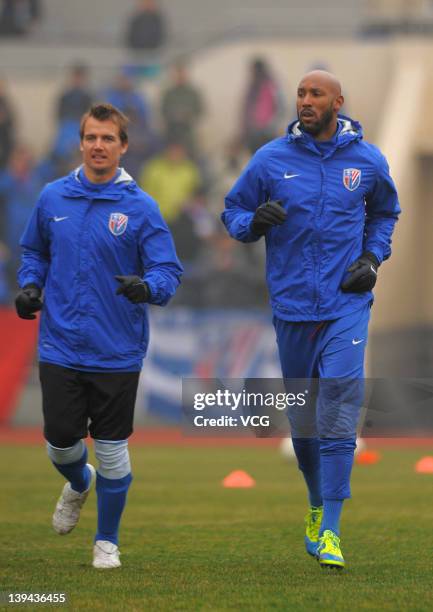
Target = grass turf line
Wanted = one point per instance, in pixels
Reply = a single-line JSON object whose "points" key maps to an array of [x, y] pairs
{"points": [[189, 544]]}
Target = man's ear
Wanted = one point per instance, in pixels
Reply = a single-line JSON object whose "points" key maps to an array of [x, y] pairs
{"points": [[338, 103]]}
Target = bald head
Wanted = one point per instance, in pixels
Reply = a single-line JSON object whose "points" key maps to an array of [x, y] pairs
{"points": [[324, 79], [318, 102]]}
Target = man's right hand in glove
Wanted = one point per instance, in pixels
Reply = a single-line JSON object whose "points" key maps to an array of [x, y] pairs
{"points": [[268, 214], [362, 274], [27, 301], [133, 288]]}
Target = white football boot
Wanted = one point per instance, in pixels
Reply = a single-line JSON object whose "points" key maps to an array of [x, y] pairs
{"points": [[67, 512], [105, 555]]}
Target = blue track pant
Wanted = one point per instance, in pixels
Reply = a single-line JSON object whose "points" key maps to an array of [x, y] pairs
{"points": [[330, 355]]}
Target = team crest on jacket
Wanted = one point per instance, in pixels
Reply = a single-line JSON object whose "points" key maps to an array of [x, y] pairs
{"points": [[117, 223], [351, 178]]}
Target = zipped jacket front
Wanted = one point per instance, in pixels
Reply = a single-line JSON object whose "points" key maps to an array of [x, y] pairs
{"points": [[339, 203], [77, 240]]}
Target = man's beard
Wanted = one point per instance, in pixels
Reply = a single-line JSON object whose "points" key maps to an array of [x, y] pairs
{"points": [[316, 128], [101, 171]]}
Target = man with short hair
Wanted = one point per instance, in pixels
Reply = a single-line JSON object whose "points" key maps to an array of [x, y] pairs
{"points": [[98, 248], [325, 202]]}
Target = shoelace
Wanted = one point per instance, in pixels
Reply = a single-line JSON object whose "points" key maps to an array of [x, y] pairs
{"points": [[70, 507], [68, 511], [332, 541]]}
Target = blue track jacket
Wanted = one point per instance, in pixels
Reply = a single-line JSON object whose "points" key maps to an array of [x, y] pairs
{"points": [[340, 201], [78, 238]]}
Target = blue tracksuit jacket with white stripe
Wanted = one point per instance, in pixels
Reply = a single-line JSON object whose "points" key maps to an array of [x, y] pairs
{"points": [[340, 202], [78, 238]]}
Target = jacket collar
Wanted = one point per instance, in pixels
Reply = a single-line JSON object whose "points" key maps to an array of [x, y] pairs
{"points": [[73, 187], [348, 131]]}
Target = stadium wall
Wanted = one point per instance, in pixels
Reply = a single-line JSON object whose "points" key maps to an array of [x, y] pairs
{"points": [[198, 20]]}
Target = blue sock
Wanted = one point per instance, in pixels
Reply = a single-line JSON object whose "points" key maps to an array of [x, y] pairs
{"points": [[313, 480], [307, 452], [111, 495], [77, 473], [336, 460], [331, 515]]}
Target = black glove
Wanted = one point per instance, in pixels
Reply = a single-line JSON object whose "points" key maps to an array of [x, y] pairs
{"points": [[133, 288], [268, 214], [363, 274], [27, 301]]}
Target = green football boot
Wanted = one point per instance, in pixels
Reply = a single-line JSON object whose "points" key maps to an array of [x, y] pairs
{"points": [[312, 526], [329, 554]]}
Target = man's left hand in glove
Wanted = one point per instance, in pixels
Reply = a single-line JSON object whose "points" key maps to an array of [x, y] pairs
{"points": [[363, 274], [28, 301], [133, 288]]}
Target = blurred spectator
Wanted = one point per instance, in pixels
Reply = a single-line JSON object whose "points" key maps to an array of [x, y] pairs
{"points": [[147, 27], [192, 230], [218, 272], [230, 274], [225, 273], [18, 16], [6, 126], [123, 94], [72, 102], [143, 141], [60, 158], [77, 97], [60, 161], [193, 226], [20, 185], [226, 167], [263, 107], [182, 107], [234, 159], [171, 178]]}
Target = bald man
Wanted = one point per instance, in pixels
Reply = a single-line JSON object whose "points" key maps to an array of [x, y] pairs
{"points": [[326, 205]]}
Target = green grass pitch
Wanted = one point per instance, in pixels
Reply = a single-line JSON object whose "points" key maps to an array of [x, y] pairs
{"points": [[189, 544]]}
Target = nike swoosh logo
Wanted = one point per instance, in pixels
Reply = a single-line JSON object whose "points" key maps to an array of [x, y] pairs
{"points": [[290, 175], [59, 218], [357, 341]]}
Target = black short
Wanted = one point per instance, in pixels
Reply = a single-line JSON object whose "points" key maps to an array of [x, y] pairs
{"points": [[76, 403]]}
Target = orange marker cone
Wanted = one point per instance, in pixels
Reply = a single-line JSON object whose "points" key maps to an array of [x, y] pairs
{"points": [[367, 457], [424, 465], [238, 480]]}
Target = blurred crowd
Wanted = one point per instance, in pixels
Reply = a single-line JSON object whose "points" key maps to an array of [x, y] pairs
{"points": [[17, 17], [166, 158]]}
